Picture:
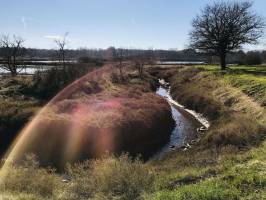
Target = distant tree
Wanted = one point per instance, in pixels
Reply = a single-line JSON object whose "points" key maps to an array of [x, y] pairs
{"points": [[110, 53], [139, 62], [61, 43], [224, 27], [263, 55], [241, 57], [12, 50], [253, 58], [120, 56], [84, 59], [145, 58]]}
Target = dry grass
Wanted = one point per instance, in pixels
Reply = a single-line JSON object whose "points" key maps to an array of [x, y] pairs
{"points": [[105, 178], [16, 108], [93, 115], [238, 130], [227, 164]]}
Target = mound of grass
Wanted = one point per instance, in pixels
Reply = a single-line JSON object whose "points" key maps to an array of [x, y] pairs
{"points": [[93, 116]]}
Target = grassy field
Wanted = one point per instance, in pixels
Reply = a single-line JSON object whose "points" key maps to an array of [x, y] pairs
{"points": [[228, 163]]}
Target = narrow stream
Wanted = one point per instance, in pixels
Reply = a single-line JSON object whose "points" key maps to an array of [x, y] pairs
{"points": [[186, 125]]}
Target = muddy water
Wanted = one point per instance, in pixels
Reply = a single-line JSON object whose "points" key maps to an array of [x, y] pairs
{"points": [[185, 126]]}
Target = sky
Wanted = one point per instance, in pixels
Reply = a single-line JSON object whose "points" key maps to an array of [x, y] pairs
{"points": [[158, 24]]}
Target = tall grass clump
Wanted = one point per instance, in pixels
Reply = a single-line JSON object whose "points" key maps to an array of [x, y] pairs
{"points": [[108, 177], [29, 178], [238, 130]]}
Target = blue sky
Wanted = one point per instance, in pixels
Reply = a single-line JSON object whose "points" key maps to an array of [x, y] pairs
{"points": [[160, 24]]}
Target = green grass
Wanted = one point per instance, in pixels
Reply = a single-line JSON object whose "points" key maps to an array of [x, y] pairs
{"points": [[239, 176], [249, 79]]}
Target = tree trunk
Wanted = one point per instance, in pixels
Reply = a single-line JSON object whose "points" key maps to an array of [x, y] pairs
{"points": [[141, 71], [120, 70], [13, 73], [222, 60]]}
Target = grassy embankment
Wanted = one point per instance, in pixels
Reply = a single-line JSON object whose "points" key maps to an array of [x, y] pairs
{"points": [[228, 163], [16, 108]]}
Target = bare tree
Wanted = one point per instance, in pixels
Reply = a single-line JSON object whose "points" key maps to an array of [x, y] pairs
{"points": [[61, 43], [139, 62], [145, 58], [225, 26], [12, 50], [120, 56]]}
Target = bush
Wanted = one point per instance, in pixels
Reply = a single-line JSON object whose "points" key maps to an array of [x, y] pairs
{"points": [[48, 84]]}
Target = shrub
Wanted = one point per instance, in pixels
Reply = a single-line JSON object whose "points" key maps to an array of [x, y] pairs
{"points": [[48, 84]]}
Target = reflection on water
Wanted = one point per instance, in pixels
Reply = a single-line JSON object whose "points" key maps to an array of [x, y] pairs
{"points": [[180, 63], [28, 69], [185, 128]]}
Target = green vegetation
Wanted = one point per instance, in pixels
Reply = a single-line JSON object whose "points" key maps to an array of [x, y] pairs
{"points": [[250, 79], [228, 163]]}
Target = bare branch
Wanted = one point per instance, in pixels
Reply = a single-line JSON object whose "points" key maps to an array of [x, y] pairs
{"points": [[12, 50], [61, 43]]}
